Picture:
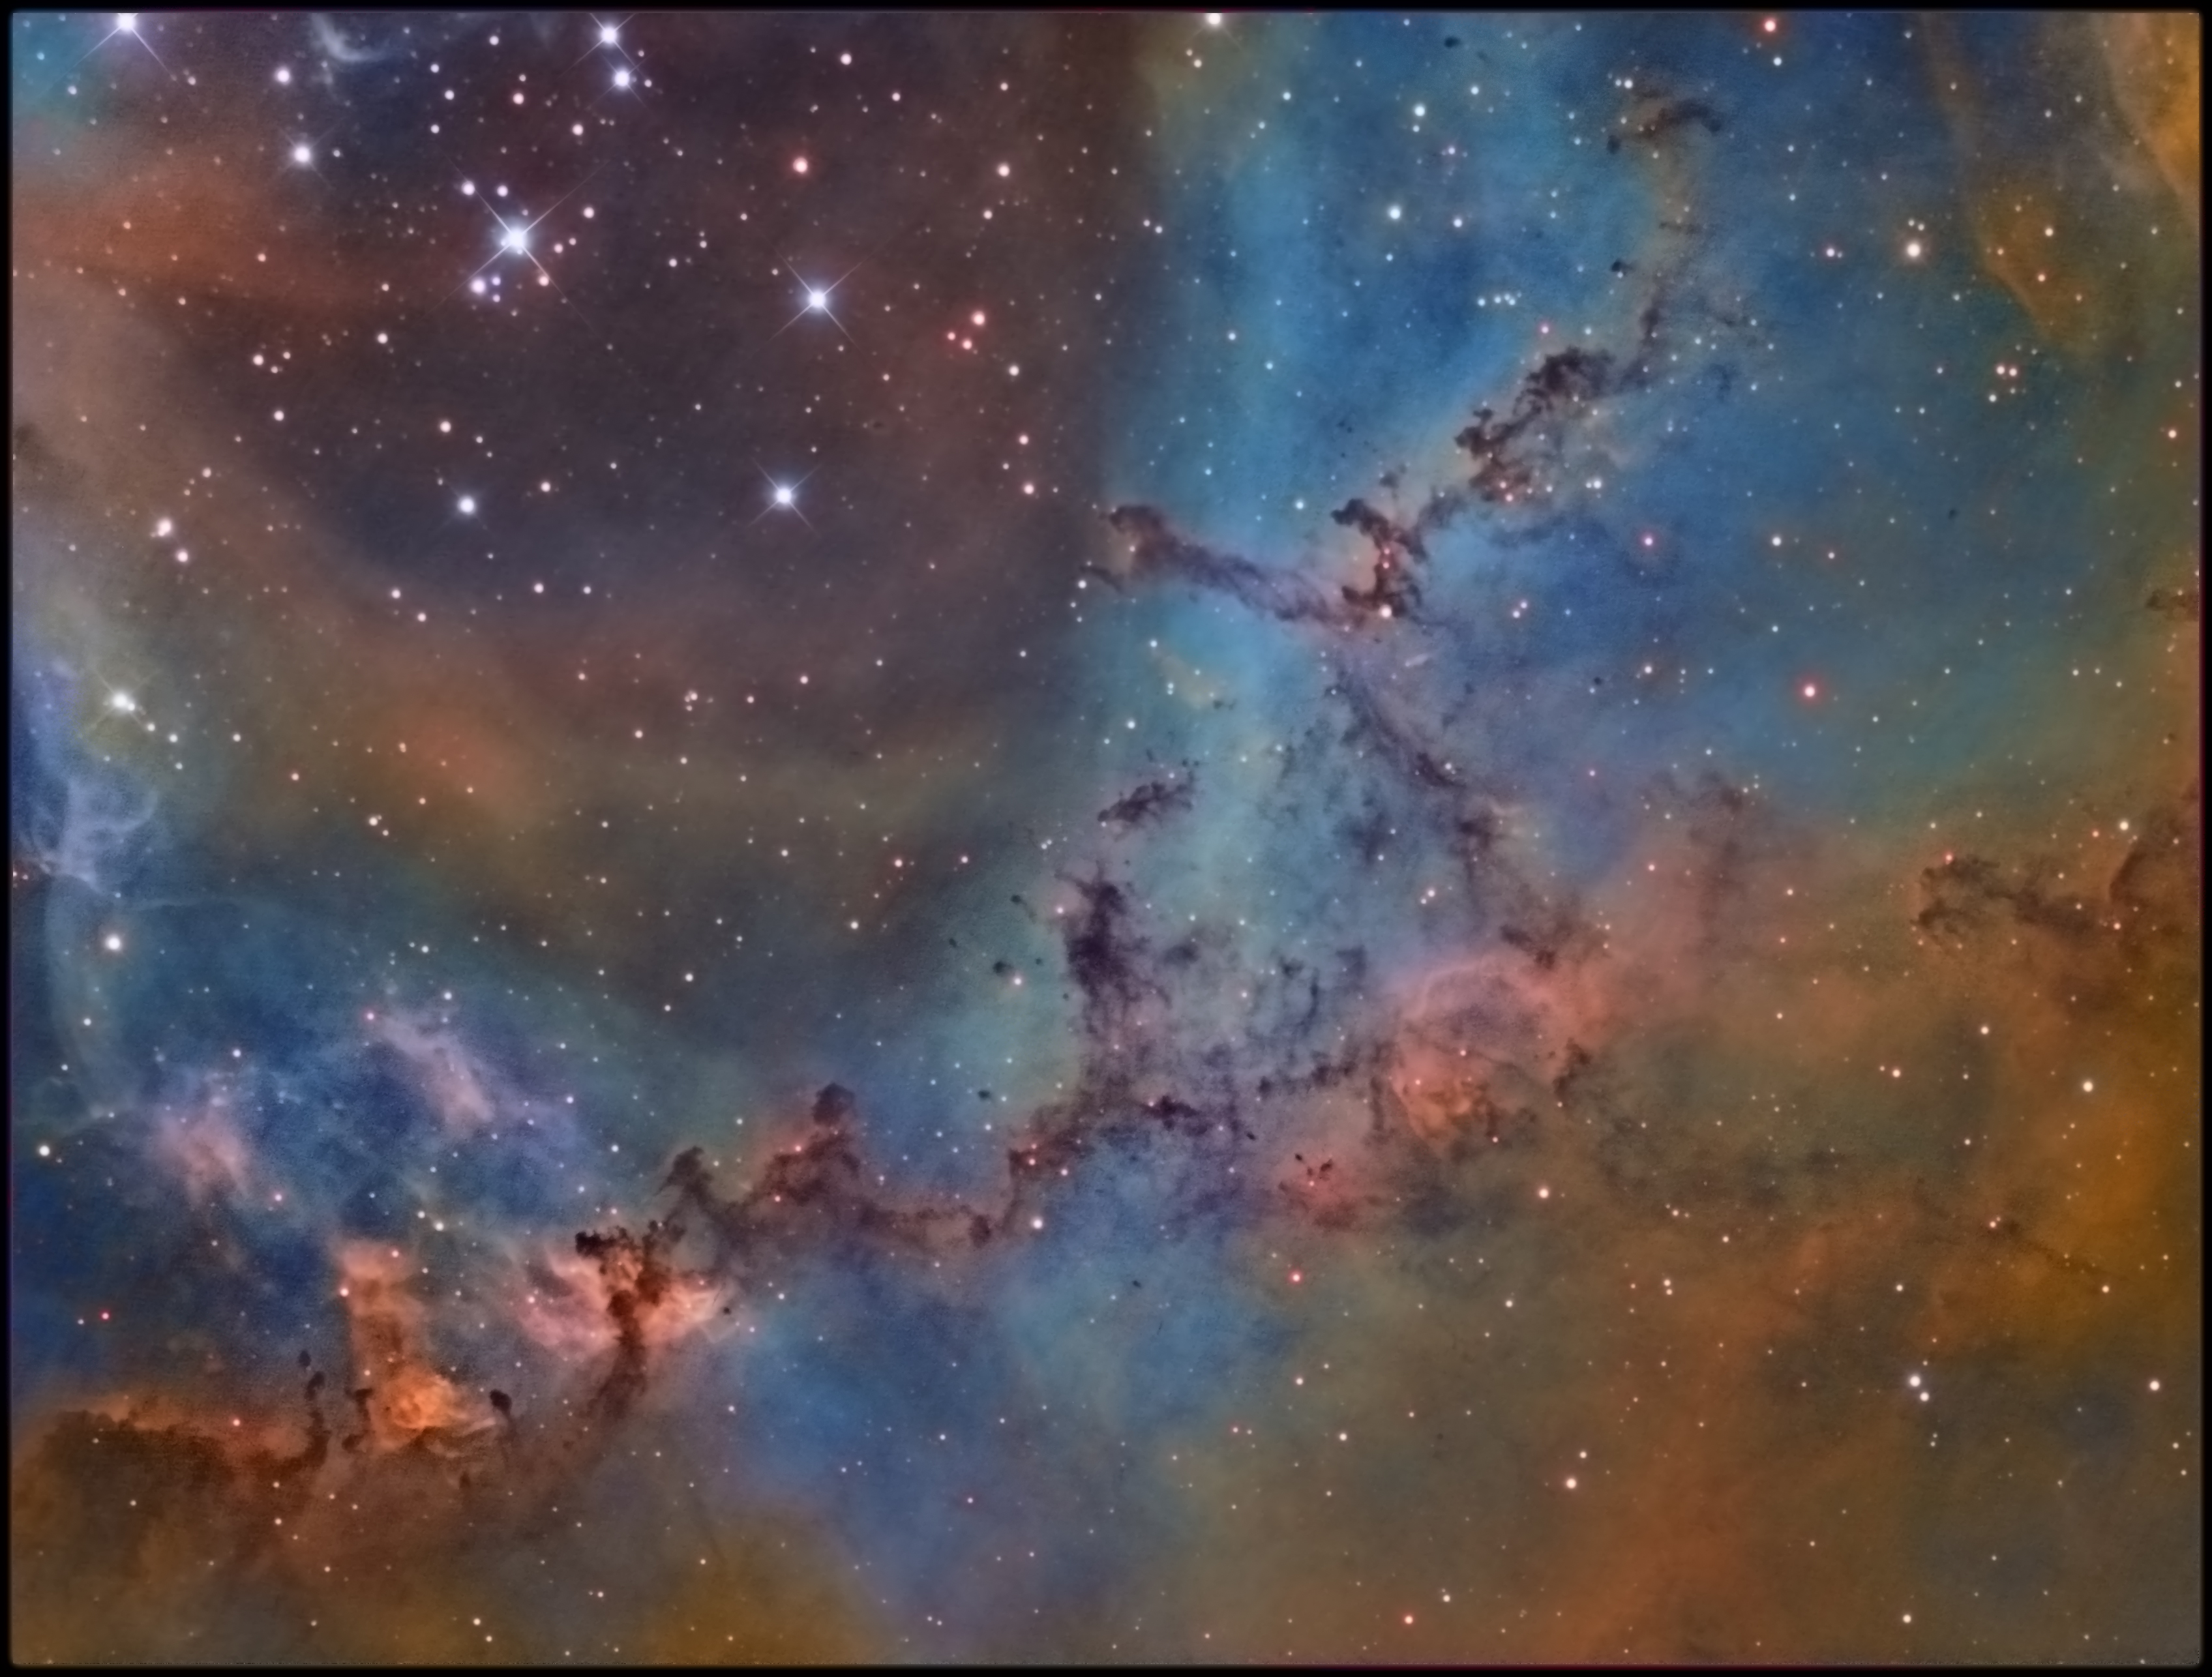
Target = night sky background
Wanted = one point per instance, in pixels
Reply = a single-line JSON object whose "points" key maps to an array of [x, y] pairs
{"points": [[1393, 854]]}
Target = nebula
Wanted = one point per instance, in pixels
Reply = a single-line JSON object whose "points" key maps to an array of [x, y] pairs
{"points": [[1312, 838]]}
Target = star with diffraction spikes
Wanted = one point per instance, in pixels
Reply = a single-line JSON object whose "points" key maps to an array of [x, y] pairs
{"points": [[606, 38], [305, 152], [783, 497], [126, 23], [514, 239], [815, 301]]}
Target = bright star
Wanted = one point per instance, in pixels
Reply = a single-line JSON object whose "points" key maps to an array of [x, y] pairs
{"points": [[122, 703], [304, 151], [468, 506], [605, 37], [782, 497], [514, 237], [126, 23], [817, 301], [622, 78]]}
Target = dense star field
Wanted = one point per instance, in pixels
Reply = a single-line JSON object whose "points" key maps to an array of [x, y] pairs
{"points": [[1105, 837]]}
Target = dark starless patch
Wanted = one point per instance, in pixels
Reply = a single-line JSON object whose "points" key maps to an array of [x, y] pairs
{"points": [[1152, 800], [37, 469], [1392, 591], [2153, 897], [1656, 118], [1966, 895], [1511, 456], [2186, 604], [1158, 548], [638, 1277]]}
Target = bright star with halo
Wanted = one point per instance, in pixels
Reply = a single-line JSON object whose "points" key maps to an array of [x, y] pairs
{"points": [[126, 23], [783, 497], [815, 299]]}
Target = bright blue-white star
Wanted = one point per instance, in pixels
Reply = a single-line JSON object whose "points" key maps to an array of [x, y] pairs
{"points": [[783, 497], [607, 37], [126, 23], [514, 237], [304, 151], [815, 299]]}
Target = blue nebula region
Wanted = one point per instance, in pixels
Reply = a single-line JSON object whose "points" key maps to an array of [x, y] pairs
{"points": [[1311, 839]]}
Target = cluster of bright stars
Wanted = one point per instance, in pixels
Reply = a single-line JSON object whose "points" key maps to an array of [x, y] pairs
{"points": [[609, 38], [514, 239]]}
